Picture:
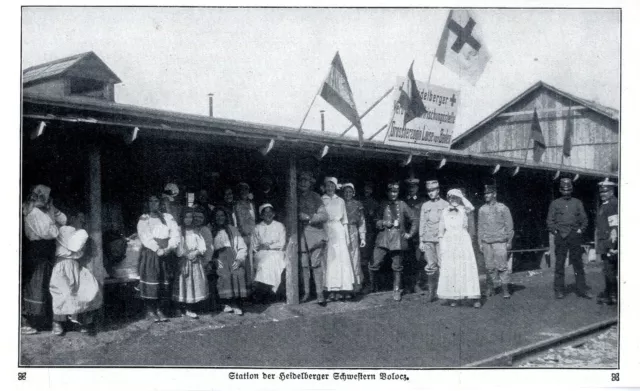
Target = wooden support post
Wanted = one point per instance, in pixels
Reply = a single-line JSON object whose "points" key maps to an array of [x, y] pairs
{"points": [[292, 230], [95, 265]]}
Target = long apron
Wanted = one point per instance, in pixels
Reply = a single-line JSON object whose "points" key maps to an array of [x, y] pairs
{"points": [[155, 272], [231, 283]]}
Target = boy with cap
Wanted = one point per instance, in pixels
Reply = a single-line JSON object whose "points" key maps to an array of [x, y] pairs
{"points": [[430, 214], [495, 233], [414, 255], [567, 221], [313, 239], [607, 233], [392, 238]]}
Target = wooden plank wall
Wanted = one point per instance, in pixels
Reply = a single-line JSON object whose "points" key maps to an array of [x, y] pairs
{"points": [[595, 137]]}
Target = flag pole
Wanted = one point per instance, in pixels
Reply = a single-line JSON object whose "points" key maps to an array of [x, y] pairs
{"points": [[368, 110], [431, 70], [378, 132], [309, 109]]}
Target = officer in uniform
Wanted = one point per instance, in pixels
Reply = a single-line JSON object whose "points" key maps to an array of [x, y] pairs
{"points": [[607, 234], [393, 217], [313, 239], [567, 221], [414, 260], [430, 214], [495, 233]]}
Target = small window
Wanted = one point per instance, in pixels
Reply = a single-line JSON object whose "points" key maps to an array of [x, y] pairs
{"points": [[82, 86]]}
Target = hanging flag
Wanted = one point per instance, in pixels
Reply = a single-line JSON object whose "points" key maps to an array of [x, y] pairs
{"points": [[539, 145], [337, 93], [462, 48], [410, 100], [568, 135]]}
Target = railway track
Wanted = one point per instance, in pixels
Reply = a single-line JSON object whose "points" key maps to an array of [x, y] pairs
{"points": [[516, 357]]}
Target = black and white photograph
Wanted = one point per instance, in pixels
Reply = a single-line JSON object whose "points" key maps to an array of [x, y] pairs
{"points": [[320, 197]]}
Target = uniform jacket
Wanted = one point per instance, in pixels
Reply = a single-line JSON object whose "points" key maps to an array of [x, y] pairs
{"points": [[313, 234], [606, 221], [566, 216], [495, 224], [391, 237]]}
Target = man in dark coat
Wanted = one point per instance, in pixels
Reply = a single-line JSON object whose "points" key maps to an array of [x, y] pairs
{"points": [[371, 206], [607, 234], [567, 221], [393, 217]]}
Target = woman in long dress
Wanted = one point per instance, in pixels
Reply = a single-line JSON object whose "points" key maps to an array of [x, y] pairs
{"points": [[159, 234], [230, 254], [41, 227], [268, 243], [339, 276], [190, 285], [458, 270], [356, 229], [74, 290]]}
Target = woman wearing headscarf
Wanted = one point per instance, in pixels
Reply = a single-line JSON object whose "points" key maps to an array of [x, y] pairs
{"points": [[41, 227], [159, 234], [190, 285], [74, 290], [230, 253], [356, 229], [245, 213], [458, 271], [267, 242], [203, 228], [339, 276]]}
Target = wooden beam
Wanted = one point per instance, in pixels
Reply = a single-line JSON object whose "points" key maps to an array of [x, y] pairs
{"points": [[291, 201], [377, 132], [530, 112], [95, 265], [37, 132], [267, 148], [368, 110]]}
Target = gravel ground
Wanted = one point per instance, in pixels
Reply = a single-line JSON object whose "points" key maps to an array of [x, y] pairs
{"points": [[600, 351]]}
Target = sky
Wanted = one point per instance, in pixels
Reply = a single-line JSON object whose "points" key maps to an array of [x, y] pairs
{"points": [[265, 65]]}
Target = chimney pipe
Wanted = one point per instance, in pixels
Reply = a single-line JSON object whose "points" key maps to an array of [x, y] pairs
{"points": [[322, 120], [210, 104]]}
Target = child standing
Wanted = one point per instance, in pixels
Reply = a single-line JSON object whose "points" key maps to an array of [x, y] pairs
{"points": [[191, 285]]}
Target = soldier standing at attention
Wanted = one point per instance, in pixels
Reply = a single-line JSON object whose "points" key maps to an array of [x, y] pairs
{"points": [[430, 214], [414, 260], [371, 206], [607, 234], [495, 233], [392, 218], [567, 221]]}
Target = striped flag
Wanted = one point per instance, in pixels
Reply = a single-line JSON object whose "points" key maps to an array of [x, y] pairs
{"points": [[410, 99], [539, 145], [337, 93], [462, 48]]}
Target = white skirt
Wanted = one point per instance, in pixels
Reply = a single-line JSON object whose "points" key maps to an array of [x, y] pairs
{"points": [[458, 270], [73, 288], [339, 275], [269, 265]]}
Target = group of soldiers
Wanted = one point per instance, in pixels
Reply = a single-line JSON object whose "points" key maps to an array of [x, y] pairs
{"points": [[405, 231]]}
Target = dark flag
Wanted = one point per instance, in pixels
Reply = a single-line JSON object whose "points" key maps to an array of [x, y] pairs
{"points": [[568, 135], [337, 93], [410, 99], [539, 145]]}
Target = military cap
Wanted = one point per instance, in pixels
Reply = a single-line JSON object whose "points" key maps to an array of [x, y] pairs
{"points": [[606, 185], [566, 184], [489, 189]]}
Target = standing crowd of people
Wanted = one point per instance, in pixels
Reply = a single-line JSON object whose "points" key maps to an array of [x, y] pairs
{"points": [[195, 251]]}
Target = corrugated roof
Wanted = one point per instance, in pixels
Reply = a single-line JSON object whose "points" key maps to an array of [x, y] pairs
{"points": [[61, 66], [601, 109]]}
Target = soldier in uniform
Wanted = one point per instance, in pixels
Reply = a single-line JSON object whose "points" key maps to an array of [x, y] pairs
{"points": [[413, 258], [495, 233], [607, 233], [430, 214], [370, 205], [393, 217], [313, 238], [567, 221]]}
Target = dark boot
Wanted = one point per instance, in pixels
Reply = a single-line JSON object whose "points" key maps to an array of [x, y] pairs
{"points": [[419, 279], [318, 279], [306, 281], [397, 289], [433, 282], [373, 281], [489, 287]]}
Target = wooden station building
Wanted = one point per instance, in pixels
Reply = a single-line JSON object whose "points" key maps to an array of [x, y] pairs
{"points": [[105, 158]]}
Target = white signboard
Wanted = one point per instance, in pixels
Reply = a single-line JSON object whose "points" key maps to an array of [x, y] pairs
{"points": [[433, 128]]}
